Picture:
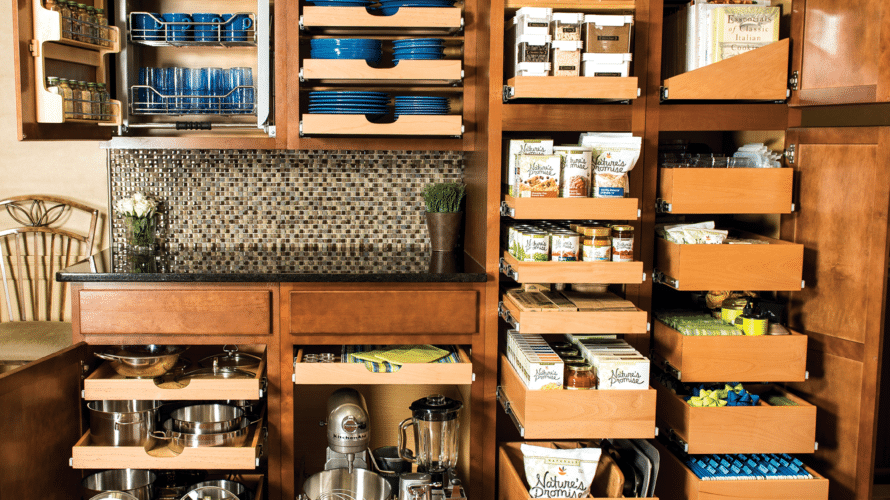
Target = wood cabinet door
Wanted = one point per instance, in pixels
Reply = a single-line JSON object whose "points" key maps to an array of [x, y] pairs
{"points": [[842, 223], [839, 51], [40, 404]]}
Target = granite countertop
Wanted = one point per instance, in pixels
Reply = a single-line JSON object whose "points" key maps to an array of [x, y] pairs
{"points": [[413, 265]]}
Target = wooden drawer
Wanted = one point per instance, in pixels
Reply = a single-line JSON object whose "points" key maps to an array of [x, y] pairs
{"points": [[678, 482], [106, 384], [726, 190], [357, 374], [573, 321], [575, 208], [565, 414], [211, 311], [511, 473], [777, 266], [572, 272], [739, 429], [85, 455], [410, 311], [775, 358]]}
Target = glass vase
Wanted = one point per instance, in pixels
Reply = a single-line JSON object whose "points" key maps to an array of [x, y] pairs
{"points": [[141, 234]]}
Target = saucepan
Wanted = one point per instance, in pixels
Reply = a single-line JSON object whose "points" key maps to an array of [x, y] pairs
{"points": [[233, 487], [122, 423], [179, 441], [135, 482], [143, 361], [207, 419]]}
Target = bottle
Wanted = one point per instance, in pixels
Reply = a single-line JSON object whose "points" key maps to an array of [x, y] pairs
{"points": [[104, 102], [67, 27], [91, 30], [67, 98], [95, 106], [104, 33], [83, 108], [52, 84], [83, 27], [52, 5]]}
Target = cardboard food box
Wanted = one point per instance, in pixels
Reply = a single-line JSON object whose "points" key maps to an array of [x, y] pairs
{"points": [[537, 176]]}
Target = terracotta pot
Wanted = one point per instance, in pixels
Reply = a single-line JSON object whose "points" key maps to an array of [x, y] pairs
{"points": [[444, 230]]}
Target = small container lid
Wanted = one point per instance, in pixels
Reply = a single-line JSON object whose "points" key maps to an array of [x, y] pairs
{"points": [[534, 39], [435, 408], [622, 229], [568, 17], [608, 20], [534, 12], [579, 367], [566, 45], [606, 58]]}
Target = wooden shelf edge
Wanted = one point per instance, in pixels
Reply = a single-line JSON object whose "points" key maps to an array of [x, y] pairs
{"points": [[577, 208], [445, 18], [410, 374], [585, 5], [573, 272], [423, 125], [574, 87], [436, 71], [742, 77], [583, 322]]}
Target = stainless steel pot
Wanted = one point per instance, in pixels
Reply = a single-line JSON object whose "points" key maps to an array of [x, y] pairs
{"points": [[340, 483], [122, 423], [113, 495], [136, 482], [238, 489], [178, 441], [138, 361], [207, 419], [211, 493]]}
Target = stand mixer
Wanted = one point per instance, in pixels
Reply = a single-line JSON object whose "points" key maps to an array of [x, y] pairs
{"points": [[348, 431]]}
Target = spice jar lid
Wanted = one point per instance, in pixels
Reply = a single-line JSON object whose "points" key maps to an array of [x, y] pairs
{"points": [[622, 229], [579, 367], [597, 231]]}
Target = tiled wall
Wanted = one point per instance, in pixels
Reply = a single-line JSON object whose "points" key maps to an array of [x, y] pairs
{"points": [[284, 199]]}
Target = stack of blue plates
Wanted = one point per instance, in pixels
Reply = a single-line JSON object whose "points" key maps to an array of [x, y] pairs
{"points": [[421, 105], [345, 102], [418, 48], [340, 3], [390, 7], [346, 48]]}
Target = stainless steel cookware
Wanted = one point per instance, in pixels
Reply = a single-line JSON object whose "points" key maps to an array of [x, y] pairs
{"points": [[122, 423], [415, 485], [210, 493], [238, 489], [231, 357], [178, 441], [143, 361], [207, 419], [340, 484], [113, 495], [216, 372], [136, 482]]}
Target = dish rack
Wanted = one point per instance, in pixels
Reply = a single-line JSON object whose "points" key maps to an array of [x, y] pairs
{"points": [[141, 36], [146, 100]]}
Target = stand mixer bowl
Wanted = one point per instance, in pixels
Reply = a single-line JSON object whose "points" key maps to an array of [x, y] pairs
{"points": [[340, 484]]}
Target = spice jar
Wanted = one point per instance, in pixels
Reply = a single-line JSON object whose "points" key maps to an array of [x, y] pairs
{"points": [[622, 243], [67, 98], [102, 31], [579, 376], [82, 27], [65, 11], [556, 346]]}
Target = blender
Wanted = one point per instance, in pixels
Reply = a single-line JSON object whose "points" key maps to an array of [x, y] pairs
{"points": [[435, 421]]}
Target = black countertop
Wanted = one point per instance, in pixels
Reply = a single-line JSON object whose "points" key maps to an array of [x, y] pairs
{"points": [[232, 265]]}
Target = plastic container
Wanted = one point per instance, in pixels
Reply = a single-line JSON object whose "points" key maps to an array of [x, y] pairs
{"points": [[607, 34], [566, 26], [532, 69], [566, 58], [606, 64], [530, 25], [533, 48]]}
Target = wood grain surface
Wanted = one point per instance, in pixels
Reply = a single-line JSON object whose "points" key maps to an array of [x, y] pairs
{"points": [[409, 374], [619, 322], [574, 87], [727, 190], [576, 272], [405, 18], [573, 208]]}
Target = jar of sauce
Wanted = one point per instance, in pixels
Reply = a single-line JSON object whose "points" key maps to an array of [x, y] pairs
{"points": [[572, 359], [579, 377], [622, 243]]}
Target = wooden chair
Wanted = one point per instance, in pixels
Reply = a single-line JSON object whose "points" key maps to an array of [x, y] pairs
{"points": [[33, 313]]}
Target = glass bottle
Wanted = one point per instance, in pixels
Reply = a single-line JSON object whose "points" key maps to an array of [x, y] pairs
{"points": [[104, 102], [83, 27], [92, 28], [52, 84], [95, 105], [102, 30], [67, 96], [67, 26], [83, 107], [51, 5]]}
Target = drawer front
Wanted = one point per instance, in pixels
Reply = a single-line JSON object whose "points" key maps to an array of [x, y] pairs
{"points": [[384, 312], [171, 312]]}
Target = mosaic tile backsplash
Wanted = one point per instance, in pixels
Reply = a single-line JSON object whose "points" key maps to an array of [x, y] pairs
{"points": [[284, 199]]}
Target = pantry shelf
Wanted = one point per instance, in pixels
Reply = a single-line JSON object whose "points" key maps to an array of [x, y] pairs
{"points": [[743, 358], [593, 322], [726, 190], [86, 455], [758, 75], [565, 414], [441, 71], [408, 20], [572, 208], [425, 125], [739, 429], [571, 87], [685, 485], [776, 266], [105, 384], [572, 272], [409, 374]]}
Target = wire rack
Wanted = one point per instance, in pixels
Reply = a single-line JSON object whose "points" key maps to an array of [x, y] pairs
{"points": [[184, 34], [86, 32], [146, 100]]}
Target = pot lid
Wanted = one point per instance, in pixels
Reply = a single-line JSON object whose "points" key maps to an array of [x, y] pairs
{"points": [[435, 407], [216, 372], [231, 358]]}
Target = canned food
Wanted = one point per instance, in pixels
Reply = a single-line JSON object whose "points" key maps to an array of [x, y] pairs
{"points": [[536, 246], [565, 247], [622, 243]]}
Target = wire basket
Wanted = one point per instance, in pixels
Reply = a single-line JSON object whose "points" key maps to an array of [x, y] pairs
{"points": [[146, 100]]}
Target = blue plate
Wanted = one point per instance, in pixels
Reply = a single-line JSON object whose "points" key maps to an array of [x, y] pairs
{"points": [[420, 98], [348, 93], [344, 113], [412, 45], [334, 3], [418, 58], [418, 42], [376, 111], [411, 50], [348, 42], [363, 100]]}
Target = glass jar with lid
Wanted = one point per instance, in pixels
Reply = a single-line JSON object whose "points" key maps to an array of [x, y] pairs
{"points": [[83, 20], [622, 243], [103, 33], [84, 107], [67, 96], [95, 105], [91, 32], [104, 102], [579, 377]]}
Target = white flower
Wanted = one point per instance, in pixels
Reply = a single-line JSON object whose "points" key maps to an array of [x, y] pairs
{"points": [[127, 206], [137, 197], [143, 208]]}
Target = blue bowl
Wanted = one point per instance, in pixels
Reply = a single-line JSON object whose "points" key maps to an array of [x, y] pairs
{"points": [[351, 42], [418, 42], [348, 93]]}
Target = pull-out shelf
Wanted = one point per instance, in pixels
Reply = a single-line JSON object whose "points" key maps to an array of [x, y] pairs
{"points": [[725, 190], [588, 322], [575, 208], [357, 374], [572, 272]]}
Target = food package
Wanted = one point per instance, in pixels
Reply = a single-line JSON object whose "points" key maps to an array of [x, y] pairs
{"points": [[614, 155], [622, 372], [524, 146], [537, 364], [553, 473], [675, 234], [537, 176]]}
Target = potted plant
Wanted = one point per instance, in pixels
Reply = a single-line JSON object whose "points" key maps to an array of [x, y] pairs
{"points": [[443, 214]]}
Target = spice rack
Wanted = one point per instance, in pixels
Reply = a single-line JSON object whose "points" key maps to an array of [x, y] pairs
{"points": [[741, 358], [758, 75], [338, 373], [594, 322], [579, 208], [726, 190]]}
